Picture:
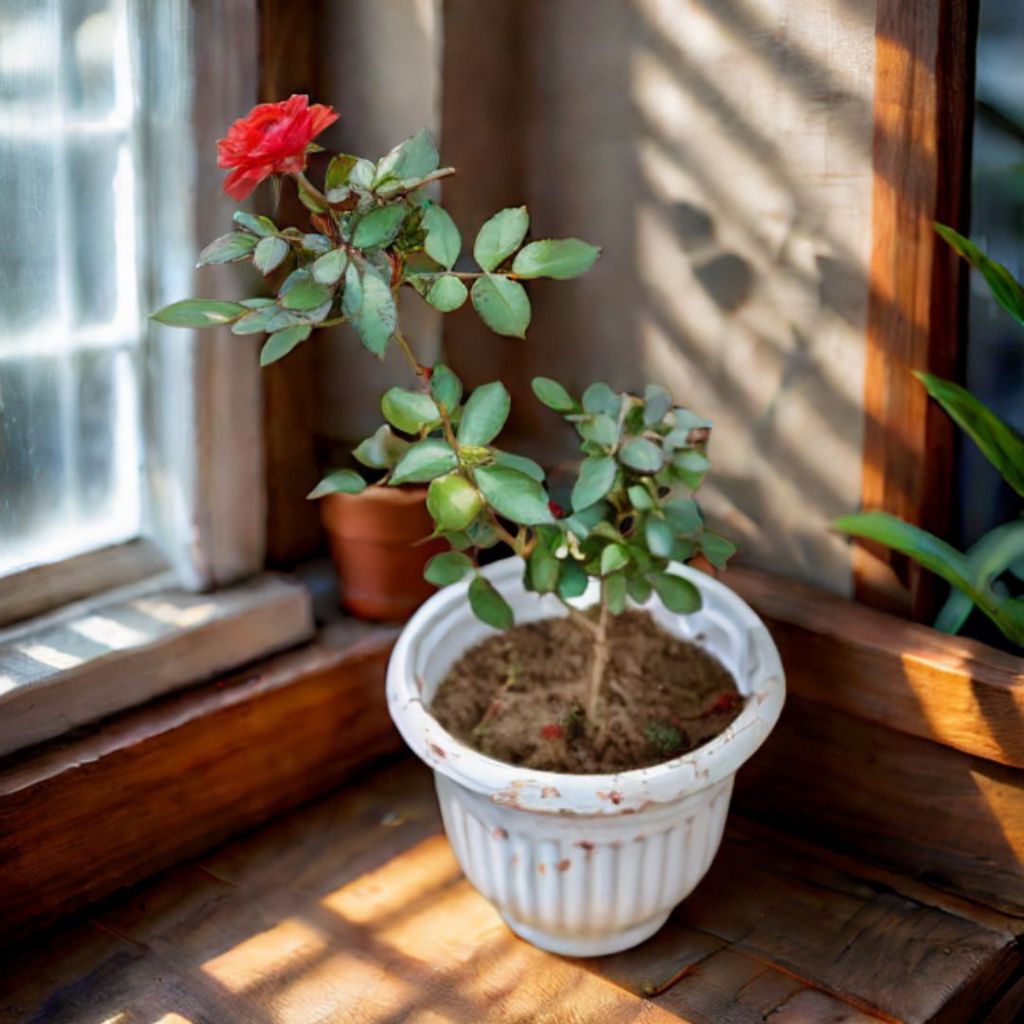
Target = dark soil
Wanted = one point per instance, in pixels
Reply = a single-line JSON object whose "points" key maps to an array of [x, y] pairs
{"points": [[520, 697]]}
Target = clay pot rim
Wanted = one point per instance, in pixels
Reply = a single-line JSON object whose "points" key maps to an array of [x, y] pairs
{"points": [[403, 494], [761, 681]]}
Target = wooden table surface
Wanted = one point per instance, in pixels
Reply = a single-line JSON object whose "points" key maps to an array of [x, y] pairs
{"points": [[353, 909]]}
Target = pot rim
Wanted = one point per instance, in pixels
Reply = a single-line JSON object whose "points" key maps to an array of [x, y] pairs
{"points": [[594, 794]]}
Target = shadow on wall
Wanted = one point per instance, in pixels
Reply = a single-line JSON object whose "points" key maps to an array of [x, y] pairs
{"points": [[721, 154]]}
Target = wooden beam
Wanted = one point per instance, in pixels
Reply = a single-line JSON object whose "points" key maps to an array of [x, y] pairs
{"points": [[924, 94], [169, 780], [909, 677]]}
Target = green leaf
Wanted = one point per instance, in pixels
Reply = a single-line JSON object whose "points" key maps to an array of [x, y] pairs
{"points": [[447, 293], [447, 567], [309, 199], [717, 549], [683, 515], [677, 595], [316, 243], [361, 175], [613, 558], [600, 429], [502, 304], [640, 498], [305, 295], [338, 171], [642, 455], [615, 593], [690, 465], [382, 449], [445, 387], [261, 226], [453, 502], [520, 462], [424, 461], [443, 242], [572, 581], [659, 537], [488, 605], [484, 414], [327, 270], [514, 495], [199, 313], [600, 398], [597, 474], [255, 321], [552, 394], [639, 589], [409, 411], [657, 403], [561, 258], [414, 158], [369, 306], [270, 253], [379, 227], [542, 570], [998, 441], [280, 343], [341, 481], [227, 249], [500, 237], [1003, 285]]}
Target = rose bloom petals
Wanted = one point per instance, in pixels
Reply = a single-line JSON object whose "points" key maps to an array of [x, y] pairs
{"points": [[271, 139]]}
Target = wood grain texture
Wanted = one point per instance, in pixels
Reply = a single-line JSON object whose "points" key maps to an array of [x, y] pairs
{"points": [[947, 820], [353, 909], [924, 94], [906, 676], [146, 789]]}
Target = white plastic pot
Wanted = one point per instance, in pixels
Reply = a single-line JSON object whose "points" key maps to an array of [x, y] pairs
{"points": [[583, 865]]}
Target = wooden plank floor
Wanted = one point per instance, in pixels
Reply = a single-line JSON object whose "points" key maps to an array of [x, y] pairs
{"points": [[354, 910]]}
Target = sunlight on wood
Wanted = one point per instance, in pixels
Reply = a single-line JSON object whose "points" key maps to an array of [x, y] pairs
{"points": [[176, 615], [49, 656], [108, 632], [1002, 797]]}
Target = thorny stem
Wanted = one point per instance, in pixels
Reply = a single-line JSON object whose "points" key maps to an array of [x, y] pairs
{"points": [[312, 189]]}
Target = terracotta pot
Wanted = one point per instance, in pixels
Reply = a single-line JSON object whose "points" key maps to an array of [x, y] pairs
{"points": [[373, 538]]}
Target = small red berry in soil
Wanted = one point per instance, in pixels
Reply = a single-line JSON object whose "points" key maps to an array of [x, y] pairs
{"points": [[552, 731], [556, 510], [725, 703]]}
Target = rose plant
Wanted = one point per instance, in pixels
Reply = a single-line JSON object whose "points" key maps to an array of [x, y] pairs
{"points": [[373, 234]]}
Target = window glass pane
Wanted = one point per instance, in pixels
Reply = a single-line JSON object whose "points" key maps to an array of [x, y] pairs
{"points": [[70, 323]]}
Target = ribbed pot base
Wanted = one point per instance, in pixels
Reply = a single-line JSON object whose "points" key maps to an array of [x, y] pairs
{"points": [[596, 945]]}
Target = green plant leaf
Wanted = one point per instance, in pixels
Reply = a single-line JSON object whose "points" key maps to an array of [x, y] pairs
{"points": [[329, 267], [600, 429], [309, 199], [542, 570], [613, 558], [447, 293], [677, 595], [640, 498], [379, 227], [561, 258], [382, 449], [615, 592], [657, 403], [488, 605], [514, 495], [227, 249], [341, 481], [639, 589], [597, 474], [445, 387], [269, 254], [409, 411], [1005, 288], [198, 313], [443, 242], [447, 567], [502, 304], [254, 322], [683, 515], [659, 536], [501, 236], [414, 158], [453, 502], [520, 462], [717, 549], [304, 296], [338, 171], [484, 414], [552, 394], [362, 174], [600, 398], [259, 226], [369, 306], [572, 581], [316, 243], [280, 343], [998, 441], [642, 455], [424, 461]]}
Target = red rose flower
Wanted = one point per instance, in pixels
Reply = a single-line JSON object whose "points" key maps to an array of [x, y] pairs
{"points": [[271, 139], [552, 731], [556, 510]]}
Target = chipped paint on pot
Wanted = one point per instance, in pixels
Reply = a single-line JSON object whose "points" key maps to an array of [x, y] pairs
{"points": [[584, 865]]}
